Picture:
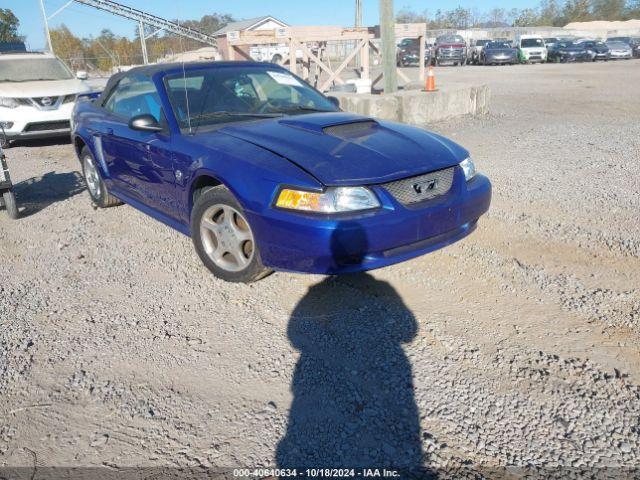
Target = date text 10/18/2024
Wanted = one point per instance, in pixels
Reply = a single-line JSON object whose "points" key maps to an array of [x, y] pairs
{"points": [[316, 473]]}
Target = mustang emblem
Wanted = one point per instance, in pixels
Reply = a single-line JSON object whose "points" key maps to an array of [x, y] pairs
{"points": [[427, 185]]}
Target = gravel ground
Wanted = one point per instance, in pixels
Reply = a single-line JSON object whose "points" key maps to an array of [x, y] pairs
{"points": [[515, 347]]}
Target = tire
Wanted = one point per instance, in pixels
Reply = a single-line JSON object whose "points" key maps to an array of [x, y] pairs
{"points": [[98, 191], [277, 59], [10, 204], [223, 238]]}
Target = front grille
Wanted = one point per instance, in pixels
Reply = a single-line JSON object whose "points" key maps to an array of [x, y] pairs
{"points": [[423, 187], [46, 101], [450, 52], [45, 126]]}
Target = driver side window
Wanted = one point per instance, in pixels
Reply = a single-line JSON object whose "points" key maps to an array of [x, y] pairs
{"points": [[135, 96]]}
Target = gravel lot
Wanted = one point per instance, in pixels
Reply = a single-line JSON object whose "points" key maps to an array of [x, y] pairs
{"points": [[515, 347]]}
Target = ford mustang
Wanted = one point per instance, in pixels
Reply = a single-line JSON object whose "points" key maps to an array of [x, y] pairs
{"points": [[265, 173]]}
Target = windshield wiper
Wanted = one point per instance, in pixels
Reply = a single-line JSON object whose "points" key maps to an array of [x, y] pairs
{"points": [[224, 113], [303, 108]]}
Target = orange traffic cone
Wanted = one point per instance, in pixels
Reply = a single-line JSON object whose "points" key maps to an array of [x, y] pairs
{"points": [[431, 80]]}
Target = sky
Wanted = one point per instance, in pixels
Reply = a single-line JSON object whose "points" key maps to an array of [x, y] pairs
{"points": [[85, 21]]}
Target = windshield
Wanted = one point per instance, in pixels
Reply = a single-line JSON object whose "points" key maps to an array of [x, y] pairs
{"points": [[33, 69], [621, 45], [482, 43], [220, 95], [492, 45], [531, 42], [550, 40], [450, 39]]}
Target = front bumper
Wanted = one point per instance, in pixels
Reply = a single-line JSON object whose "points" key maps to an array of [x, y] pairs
{"points": [[369, 240], [502, 59], [573, 58], [617, 55], [31, 123]]}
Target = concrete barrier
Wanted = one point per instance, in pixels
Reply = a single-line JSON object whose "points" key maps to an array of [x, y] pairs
{"points": [[416, 107]]}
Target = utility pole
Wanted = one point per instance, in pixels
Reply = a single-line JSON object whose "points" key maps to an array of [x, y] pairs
{"points": [[46, 27], [358, 24], [143, 42], [388, 37]]}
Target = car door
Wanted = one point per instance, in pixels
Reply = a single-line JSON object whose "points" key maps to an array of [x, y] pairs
{"points": [[140, 163]]}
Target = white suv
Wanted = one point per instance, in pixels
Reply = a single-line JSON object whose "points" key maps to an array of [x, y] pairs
{"points": [[37, 95]]}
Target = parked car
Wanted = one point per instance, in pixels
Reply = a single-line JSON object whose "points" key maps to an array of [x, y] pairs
{"points": [[633, 42], [37, 94], [619, 50], [13, 47], [568, 52], [495, 53], [475, 51], [596, 50], [531, 49], [408, 53], [450, 49], [263, 172]]}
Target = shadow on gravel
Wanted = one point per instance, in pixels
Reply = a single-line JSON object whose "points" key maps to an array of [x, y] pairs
{"points": [[37, 193], [42, 142], [353, 403]]}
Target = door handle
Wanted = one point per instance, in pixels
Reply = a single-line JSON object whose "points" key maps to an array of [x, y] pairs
{"points": [[109, 131]]}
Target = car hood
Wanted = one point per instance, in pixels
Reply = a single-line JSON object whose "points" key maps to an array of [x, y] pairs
{"points": [[47, 88], [347, 149]]}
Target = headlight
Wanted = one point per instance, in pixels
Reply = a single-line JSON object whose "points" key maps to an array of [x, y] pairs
{"points": [[332, 200], [469, 168], [8, 102]]}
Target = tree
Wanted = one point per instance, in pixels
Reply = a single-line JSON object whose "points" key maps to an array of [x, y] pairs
{"points": [[9, 25], [526, 17], [459, 18], [608, 9], [577, 11], [68, 47], [497, 17], [407, 15], [550, 13], [633, 9]]}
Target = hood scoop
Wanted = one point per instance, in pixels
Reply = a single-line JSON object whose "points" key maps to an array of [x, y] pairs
{"points": [[351, 130]]}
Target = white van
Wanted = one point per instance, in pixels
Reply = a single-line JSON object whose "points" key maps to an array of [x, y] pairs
{"points": [[531, 48]]}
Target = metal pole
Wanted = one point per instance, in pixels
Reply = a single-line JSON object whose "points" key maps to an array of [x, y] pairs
{"points": [[46, 26], [358, 24], [388, 37], [143, 43]]}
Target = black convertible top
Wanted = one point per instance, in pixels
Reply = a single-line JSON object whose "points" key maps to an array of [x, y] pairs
{"points": [[166, 67]]}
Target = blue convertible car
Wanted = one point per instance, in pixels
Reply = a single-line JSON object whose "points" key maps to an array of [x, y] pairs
{"points": [[263, 172]]}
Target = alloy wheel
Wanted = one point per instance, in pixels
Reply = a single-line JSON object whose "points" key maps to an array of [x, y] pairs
{"points": [[92, 177], [227, 237]]}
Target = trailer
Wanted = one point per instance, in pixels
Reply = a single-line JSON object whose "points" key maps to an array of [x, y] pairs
{"points": [[7, 196]]}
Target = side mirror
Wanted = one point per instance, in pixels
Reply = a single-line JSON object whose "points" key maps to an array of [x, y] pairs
{"points": [[145, 123], [335, 101], [82, 75]]}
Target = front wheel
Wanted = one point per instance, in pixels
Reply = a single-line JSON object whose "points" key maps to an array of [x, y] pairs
{"points": [[98, 191], [223, 238], [10, 204]]}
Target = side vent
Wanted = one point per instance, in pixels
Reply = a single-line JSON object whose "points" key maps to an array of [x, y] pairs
{"points": [[351, 130]]}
